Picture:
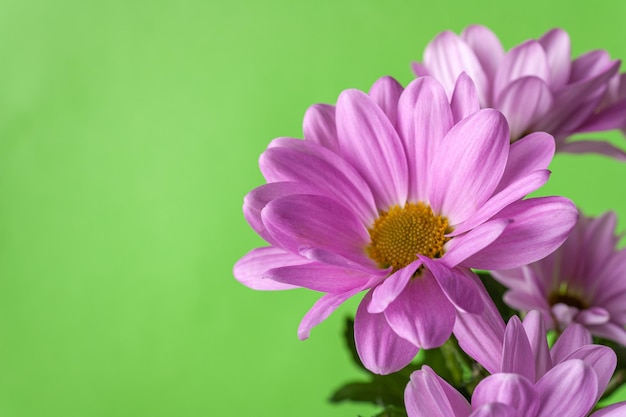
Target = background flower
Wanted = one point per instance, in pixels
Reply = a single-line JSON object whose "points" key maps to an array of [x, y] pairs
{"points": [[584, 281], [536, 84]]}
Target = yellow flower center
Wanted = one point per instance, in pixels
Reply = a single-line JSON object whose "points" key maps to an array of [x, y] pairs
{"points": [[399, 234]]}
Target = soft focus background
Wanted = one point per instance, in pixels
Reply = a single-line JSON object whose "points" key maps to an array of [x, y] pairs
{"points": [[129, 134]]}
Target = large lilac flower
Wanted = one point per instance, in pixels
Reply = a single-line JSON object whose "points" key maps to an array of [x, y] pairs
{"points": [[535, 84], [399, 192], [584, 281], [531, 380]]}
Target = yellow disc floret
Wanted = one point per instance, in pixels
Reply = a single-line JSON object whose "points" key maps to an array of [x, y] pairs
{"points": [[399, 234]]}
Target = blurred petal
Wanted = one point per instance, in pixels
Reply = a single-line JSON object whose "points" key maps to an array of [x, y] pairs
{"points": [[421, 313], [486, 46], [567, 390], [523, 102], [510, 389], [517, 354], [428, 395], [250, 268], [593, 146], [527, 59], [573, 337], [613, 410], [381, 350], [556, 43]]}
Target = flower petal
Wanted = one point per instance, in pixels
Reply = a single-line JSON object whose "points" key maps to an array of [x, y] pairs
{"points": [[593, 146], [510, 389], [613, 410], [481, 335], [424, 118], [516, 351], [381, 350], [447, 56], [556, 43], [308, 163], [319, 277], [457, 285], [573, 337], [469, 164], [528, 58], [601, 359], [464, 98], [386, 92], [487, 48], [421, 313], [529, 154], [495, 410], [321, 310], [524, 101], [390, 288], [540, 225], [250, 268], [316, 221], [567, 390], [428, 395], [319, 126], [535, 329], [369, 142]]}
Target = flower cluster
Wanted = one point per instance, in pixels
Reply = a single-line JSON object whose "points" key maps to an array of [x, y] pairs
{"points": [[401, 193]]}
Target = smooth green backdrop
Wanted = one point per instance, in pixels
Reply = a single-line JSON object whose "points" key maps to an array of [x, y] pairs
{"points": [[129, 134]]}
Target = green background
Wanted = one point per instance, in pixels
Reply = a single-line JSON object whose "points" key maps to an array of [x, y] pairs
{"points": [[129, 134]]}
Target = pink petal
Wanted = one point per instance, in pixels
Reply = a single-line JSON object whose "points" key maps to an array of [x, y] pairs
{"points": [[572, 338], [421, 313], [610, 331], [613, 410], [369, 142], [386, 92], [319, 277], [481, 335], [391, 287], [316, 221], [457, 284], [249, 270], [529, 154], [424, 118], [428, 395], [495, 410], [513, 192], [447, 56], [540, 225], [567, 390], [464, 100], [517, 354], [601, 359], [593, 316], [487, 48], [526, 59], [319, 126], [332, 258], [462, 247], [381, 350], [321, 310], [556, 43], [469, 164], [535, 329], [256, 200], [593, 146], [607, 118], [419, 70], [524, 101], [510, 389], [308, 163]]}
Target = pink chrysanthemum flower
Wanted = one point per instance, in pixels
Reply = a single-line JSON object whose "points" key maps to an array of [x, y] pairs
{"points": [[529, 380], [535, 85], [399, 192], [584, 281]]}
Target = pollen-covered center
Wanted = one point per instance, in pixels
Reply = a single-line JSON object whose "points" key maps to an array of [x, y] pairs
{"points": [[400, 233]]}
